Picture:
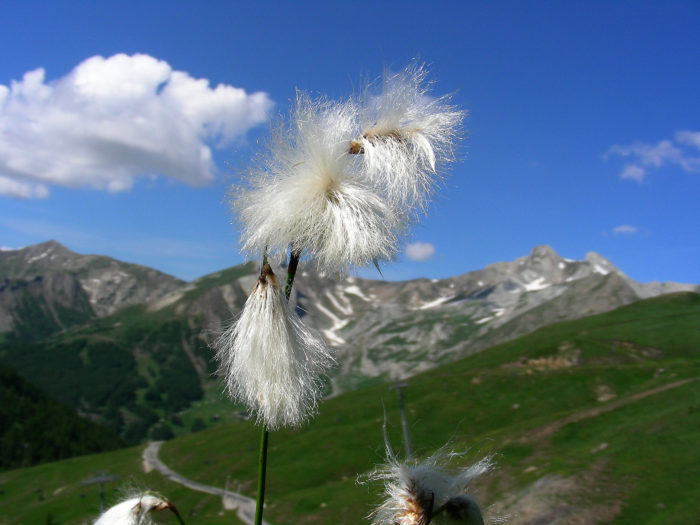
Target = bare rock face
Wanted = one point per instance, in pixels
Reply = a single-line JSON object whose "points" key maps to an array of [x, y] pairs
{"points": [[111, 284], [107, 284], [43, 304], [379, 329], [396, 329]]}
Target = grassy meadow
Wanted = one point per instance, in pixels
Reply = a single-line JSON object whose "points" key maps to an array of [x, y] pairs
{"points": [[597, 419]]}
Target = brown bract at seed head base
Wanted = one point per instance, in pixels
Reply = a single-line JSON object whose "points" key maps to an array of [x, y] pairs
{"points": [[356, 147], [417, 507], [267, 276]]}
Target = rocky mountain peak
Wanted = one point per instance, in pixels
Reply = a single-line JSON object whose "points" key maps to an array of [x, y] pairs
{"points": [[29, 260], [600, 264], [48, 245], [543, 261], [108, 284], [543, 251]]}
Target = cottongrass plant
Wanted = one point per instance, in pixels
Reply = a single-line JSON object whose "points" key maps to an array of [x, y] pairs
{"points": [[270, 359], [424, 492], [339, 184], [308, 192], [406, 135], [137, 510]]}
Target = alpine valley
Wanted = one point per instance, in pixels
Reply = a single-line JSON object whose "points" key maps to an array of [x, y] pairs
{"points": [[127, 346]]}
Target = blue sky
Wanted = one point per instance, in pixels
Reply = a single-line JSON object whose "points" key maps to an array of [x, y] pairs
{"points": [[583, 127]]}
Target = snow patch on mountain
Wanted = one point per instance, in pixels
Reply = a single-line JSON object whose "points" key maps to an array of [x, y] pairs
{"points": [[39, 257], [355, 290], [435, 302], [333, 338], [537, 284], [599, 269], [346, 308]]}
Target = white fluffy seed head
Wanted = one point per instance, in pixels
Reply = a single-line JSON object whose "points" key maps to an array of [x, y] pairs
{"points": [[134, 511], [422, 492], [270, 360], [310, 193], [406, 135]]}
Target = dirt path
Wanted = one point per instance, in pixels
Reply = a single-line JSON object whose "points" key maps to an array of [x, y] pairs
{"points": [[546, 431], [573, 498], [246, 505]]}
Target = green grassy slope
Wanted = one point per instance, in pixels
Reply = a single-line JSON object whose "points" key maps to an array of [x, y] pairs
{"points": [[500, 401], [53, 493], [597, 418]]}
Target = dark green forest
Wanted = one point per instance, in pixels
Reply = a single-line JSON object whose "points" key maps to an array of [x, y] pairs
{"points": [[37, 429]]}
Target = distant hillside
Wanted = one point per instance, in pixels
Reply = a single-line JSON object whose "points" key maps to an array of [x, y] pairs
{"points": [[35, 429], [128, 346], [46, 287], [43, 305], [126, 371], [594, 420], [390, 330]]}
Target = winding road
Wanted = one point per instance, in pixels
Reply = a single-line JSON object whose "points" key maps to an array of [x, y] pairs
{"points": [[245, 505]]}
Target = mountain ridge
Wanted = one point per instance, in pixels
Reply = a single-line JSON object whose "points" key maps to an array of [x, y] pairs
{"points": [[507, 288], [150, 346], [105, 283]]}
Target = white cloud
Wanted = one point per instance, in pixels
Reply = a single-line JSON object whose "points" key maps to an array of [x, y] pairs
{"points": [[113, 119], [631, 171], [420, 251], [644, 157], [689, 138], [624, 229], [26, 190]]}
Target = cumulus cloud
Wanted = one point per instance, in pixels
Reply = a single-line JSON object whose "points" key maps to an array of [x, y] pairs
{"points": [[17, 188], [689, 138], [420, 251], [624, 229], [113, 119], [682, 151], [634, 172]]}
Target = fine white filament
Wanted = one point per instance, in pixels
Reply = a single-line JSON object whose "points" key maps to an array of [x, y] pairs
{"points": [[311, 193], [133, 511], [425, 492], [271, 361], [406, 134]]}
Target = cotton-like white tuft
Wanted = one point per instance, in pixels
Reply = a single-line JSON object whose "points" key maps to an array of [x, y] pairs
{"points": [[271, 361], [419, 493], [311, 193], [406, 135], [134, 511]]}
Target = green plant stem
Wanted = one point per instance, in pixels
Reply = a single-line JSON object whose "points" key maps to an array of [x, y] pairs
{"points": [[177, 515], [291, 272], [265, 434], [262, 467]]}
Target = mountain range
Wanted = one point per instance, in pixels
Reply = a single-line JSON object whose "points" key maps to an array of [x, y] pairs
{"points": [[127, 346]]}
